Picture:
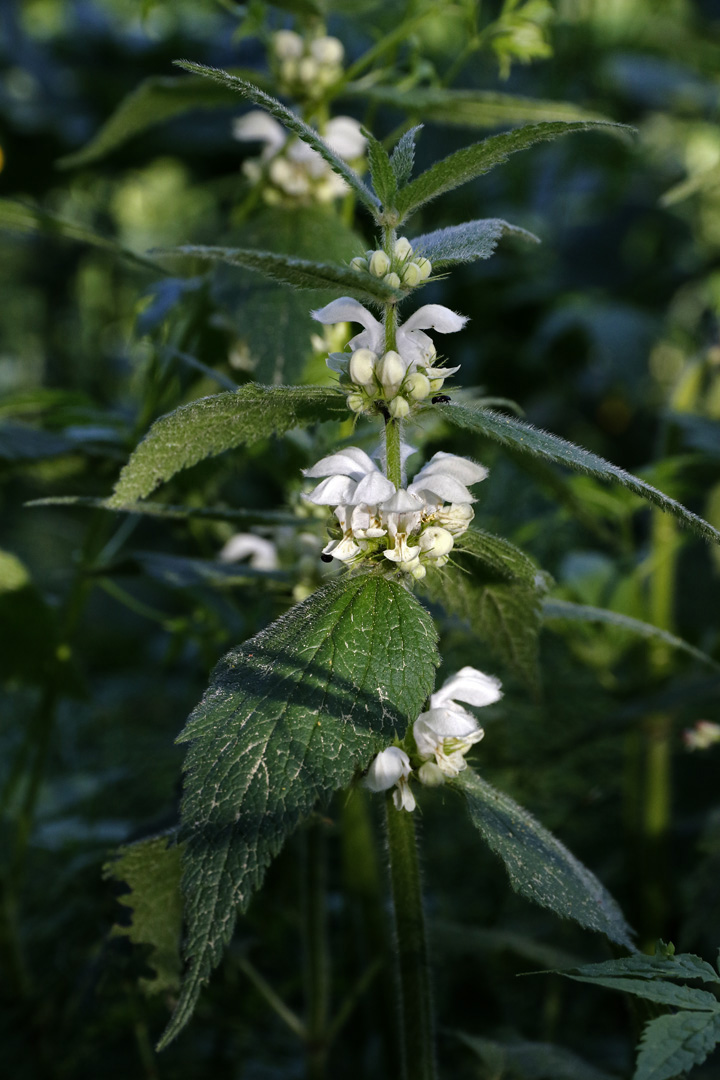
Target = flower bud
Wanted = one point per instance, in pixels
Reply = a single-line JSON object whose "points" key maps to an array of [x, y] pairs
{"points": [[289, 70], [390, 372], [287, 45], [362, 366], [411, 274], [436, 384], [435, 542], [424, 266], [359, 263], [418, 572], [379, 263], [417, 386], [430, 774], [392, 279], [307, 70], [327, 50], [402, 248], [398, 408], [355, 402]]}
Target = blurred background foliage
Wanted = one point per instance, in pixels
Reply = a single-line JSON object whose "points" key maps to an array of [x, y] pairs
{"points": [[606, 334]]}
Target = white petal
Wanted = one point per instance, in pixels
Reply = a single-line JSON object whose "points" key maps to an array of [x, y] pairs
{"points": [[441, 486], [415, 347], [259, 126], [352, 462], [338, 362], [331, 492], [464, 470], [469, 685], [446, 723], [441, 372], [345, 309], [343, 550], [263, 553], [435, 317], [373, 489], [387, 768], [402, 502], [403, 797], [343, 135]]}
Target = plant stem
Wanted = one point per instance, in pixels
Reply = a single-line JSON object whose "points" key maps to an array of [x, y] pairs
{"points": [[317, 960], [417, 1029], [393, 458]]}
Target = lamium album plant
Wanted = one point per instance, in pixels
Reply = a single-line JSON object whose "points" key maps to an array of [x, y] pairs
{"points": [[346, 692]]}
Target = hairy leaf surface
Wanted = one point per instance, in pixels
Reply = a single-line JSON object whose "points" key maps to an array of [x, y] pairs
{"points": [[402, 158], [468, 242], [673, 1044], [523, 437], [381, 171], [288, 718], [213, 424], [540, 868]]}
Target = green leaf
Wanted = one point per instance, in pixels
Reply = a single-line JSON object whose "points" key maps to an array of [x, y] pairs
{"points": [[300, 273], [214, 424], [152, 870], [480, 158], [471, 108], [673, 1044], [21, 218], [665, 993], [381, 171], [468, 242], [497, 590], [402, 158], [289, 718], [291, 121], [565, 611], [182, 572], [163, 510], [640, 966], [540, 868], [531, 1060], [522, 437], [154, 101]]}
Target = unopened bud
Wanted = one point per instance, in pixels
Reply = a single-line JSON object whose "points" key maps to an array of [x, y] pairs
{"points": [[390, 372], [289, 70], [419, 572], [399, 408], [362, 366], [392, 279], [402, 248], [424, 266], [417, 386], [411, 274], [287, 45], [435, 542], [307, 70], [327, 50], [359, 263], [379, 263], [431, 774], [355, 402]]}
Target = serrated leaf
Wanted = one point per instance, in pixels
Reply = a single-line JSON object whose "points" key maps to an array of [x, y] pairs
{"points": [[526, 439], [289, 717], [498, 555], [566, 611], [539, 866], [640, 966], [531, 1060], [291, 121], [164, 510], [673, 1044], [472, 108], [468, 242], [665, 993], [21, 218], [300, 273], [402, 158], [214, 424], [152, 869], [155, 101], [382, 173], [478, 159]]}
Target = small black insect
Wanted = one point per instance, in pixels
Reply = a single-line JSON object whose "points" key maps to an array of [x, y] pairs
{"points": [[440, 399], [382, 409], [326, 558]]}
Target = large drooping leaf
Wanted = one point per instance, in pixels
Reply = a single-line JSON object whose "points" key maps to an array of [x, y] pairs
{"points": [[662, 966], [526, 439], [540, 868], [300, 273], [471, 108], [289, 717], [468, 242], [480, 158], [151, 868], [565, 611], [214, 424], [291, 121], [154, 101]]}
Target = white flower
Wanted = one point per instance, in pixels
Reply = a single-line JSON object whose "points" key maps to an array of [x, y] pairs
{"points": [[414, 346], [701, 737], [263, 553], [447, 731], [392, 768]]}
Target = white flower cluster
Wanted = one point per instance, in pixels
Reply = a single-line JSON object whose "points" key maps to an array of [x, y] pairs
{"points": [[411, 527], [397, 377], [443, 735], [290, 170], [305, 67], [400, 268]]}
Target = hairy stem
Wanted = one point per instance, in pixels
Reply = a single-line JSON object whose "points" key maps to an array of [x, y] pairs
{"points": [[393, 458], [317, 959], [416, 1012]]}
